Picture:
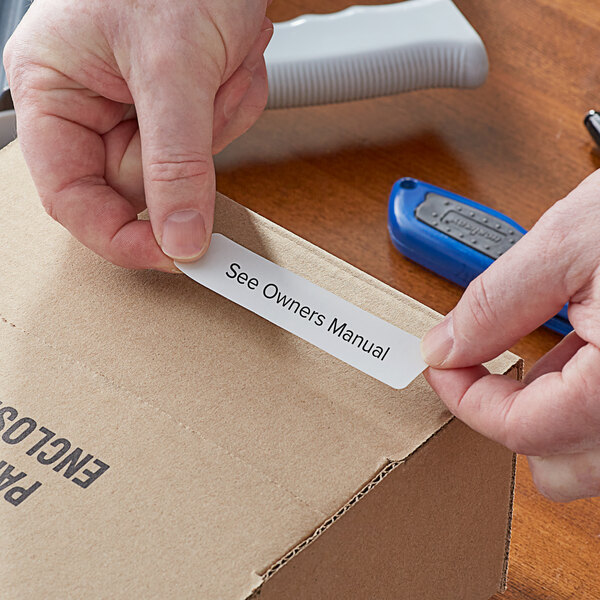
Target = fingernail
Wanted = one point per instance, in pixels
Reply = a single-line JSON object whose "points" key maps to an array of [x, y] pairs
{"points": [[184, 235], [437, 343]]}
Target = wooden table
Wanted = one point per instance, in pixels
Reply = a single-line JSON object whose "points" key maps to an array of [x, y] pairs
{"points": [[517, 144]]}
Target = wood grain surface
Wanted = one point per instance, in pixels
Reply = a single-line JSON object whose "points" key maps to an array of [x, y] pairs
{"points": [[516, 144]]}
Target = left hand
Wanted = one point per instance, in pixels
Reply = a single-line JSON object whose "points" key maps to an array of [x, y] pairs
{"points": [[120, 107]]}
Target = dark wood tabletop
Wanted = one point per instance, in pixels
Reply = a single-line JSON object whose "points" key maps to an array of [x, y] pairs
{"points": [[517, 144]]}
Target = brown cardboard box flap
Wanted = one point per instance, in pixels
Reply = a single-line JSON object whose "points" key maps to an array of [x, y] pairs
{"points": [[229, 440]]}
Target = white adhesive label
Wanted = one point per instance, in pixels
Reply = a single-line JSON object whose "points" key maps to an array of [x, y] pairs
{"points": [[338, 327]]}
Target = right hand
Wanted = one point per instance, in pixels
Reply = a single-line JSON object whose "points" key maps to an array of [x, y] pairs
{"points": [[121, 105], [554, 415]]}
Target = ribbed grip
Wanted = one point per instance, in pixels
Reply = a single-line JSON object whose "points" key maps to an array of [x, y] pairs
{"points": [[364, 52]]}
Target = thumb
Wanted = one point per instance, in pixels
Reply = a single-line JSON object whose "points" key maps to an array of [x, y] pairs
{"points": [[174, 103], [519, 292]]}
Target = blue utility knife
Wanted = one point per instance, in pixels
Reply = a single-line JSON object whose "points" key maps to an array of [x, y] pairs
{"points": [[452, 235]]}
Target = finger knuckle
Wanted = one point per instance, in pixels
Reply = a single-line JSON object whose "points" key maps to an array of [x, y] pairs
{"points": [[7, 55], [554, 225], [480, 305], [26, 79], [558, 239], [180, 168], [16, 67], [158, 62], [20, 65]]}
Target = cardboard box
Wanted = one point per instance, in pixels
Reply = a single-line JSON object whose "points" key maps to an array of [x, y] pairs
{"points": [[159, 441]]}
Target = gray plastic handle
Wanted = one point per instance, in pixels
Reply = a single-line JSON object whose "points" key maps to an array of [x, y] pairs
{"points": [[368, 51]]}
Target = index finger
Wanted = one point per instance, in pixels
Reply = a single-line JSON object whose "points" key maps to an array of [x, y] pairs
{"points": [[522, 289], [67, 162], [559, 412]]}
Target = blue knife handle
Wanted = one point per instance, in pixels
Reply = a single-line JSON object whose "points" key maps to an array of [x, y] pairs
{"points": [[451, 235]]}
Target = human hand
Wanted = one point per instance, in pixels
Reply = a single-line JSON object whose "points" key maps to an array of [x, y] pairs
{"points": [[193, 72], [554, 415]]}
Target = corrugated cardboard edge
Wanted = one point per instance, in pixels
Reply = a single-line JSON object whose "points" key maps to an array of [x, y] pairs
{"points": [[516, 372]]}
